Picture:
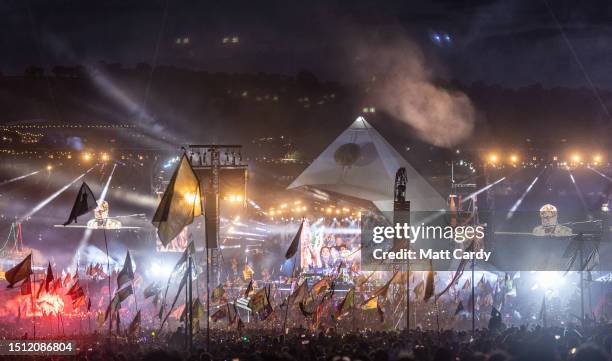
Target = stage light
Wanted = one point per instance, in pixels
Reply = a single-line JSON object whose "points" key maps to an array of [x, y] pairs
{"points": [[190, 197], [550, 279], [86, 156], [328, 210], [513, 158], [105, 157], [160, 270], [49, 167], [493, 158], [597, 158], [576, 158]]}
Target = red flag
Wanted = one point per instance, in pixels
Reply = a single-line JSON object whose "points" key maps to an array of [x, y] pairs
{"points": [[67, 279], [26, 287]]}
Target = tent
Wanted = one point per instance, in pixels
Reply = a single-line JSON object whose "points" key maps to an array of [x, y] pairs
{"points": [[361, 163]]}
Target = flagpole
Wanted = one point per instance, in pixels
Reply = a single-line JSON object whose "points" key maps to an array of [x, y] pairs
{"points": [[190, 301], [473, 302], [287, 305], [186, 309], [408, 293], [110, 322], [207, 298], [32, 297]]}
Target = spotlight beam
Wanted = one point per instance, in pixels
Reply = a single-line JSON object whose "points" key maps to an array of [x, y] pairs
{"points": [[601, 174], [483, 189], [105, 190], [520, 200], [19, 178], [48, 200], [88, 232], [578, 191]]}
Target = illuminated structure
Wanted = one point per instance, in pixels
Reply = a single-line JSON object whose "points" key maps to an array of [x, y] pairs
{"points": [[223, 176], [360, 163]]}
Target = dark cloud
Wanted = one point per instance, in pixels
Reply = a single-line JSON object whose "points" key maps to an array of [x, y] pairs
{"points": [[509, 42]]}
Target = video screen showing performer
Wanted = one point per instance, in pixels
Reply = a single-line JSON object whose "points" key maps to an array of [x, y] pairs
{"points": [[331, 245]]}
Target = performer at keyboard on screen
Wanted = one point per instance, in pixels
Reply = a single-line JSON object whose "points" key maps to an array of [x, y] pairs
{"points": [[549, 226]]}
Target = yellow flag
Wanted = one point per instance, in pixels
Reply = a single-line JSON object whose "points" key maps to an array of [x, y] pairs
{"points": [[180, 203], [370, 303]]}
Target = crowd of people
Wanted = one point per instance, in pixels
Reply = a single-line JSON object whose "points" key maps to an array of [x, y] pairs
{"points": [[514, 343]]}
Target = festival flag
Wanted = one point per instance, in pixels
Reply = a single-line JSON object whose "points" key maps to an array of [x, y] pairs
{"points": [[74, 287], [57, 284], [49, 277], [481, 283], [370, 304], [26, 287], [385, 288], [84, 203], [495, 313], [232, 314], [459, 308], [178, 293], [47, 281], [300, 294], [218, 293], [305, 313], [292, 250], [20, 272], [267, 309], [345, 305], [180, 203], [321, 286], [220, 314], [430, 284], [419, 290], [119, 297], [151, 290], [67, 279], [127, 273], [135, 324], [249, 289], [258, 301], [198, 309], [467, 285], [79, 301], [458, 273], [247, 272], [471, 306]]}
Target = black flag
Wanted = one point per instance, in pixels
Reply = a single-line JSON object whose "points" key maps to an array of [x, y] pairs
{"points": [[127, 273], [295, 243], [48, 280], [85, 202], [20, 272], [459, 308]]}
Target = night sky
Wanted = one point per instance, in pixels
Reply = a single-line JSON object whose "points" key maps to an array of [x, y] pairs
{"points": [[511, 43]]}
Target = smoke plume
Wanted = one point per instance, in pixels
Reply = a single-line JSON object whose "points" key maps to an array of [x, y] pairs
{"points": [[402, 86]]}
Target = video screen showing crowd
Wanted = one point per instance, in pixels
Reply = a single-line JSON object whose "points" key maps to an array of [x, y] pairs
{"points": [[331, 246]]}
